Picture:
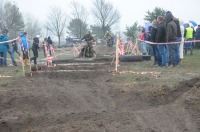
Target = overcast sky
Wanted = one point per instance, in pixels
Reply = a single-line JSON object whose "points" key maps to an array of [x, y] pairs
{"points": [[130, 10]]}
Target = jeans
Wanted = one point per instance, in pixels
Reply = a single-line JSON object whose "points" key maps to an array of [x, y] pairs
{"points": [[144, 48], [16, 50], [11, 53], [163, 53], [177, 51], [3, 58], [188, 46], [172, 54], [158, 56]]}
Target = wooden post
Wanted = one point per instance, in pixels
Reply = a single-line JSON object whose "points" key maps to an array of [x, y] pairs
{"points": [[117, 53]]}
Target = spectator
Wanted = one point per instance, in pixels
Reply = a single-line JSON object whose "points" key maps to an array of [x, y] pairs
{"points": [[188, 34], [193, 43], [197, 37], [161, 38], [25, 48], [182, 42], [178, 39], [143, 43], [11, 53], [152, 38], [4, 46], [108, 37], [49, 44], [35, 48], [171, 37]]}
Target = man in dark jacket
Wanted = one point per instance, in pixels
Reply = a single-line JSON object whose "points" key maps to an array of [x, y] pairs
{"points": [[171, 37], [161, 38], [197, 37], [152, 38], [178, 39], [4, 47], [49, 44], [35, 48]]}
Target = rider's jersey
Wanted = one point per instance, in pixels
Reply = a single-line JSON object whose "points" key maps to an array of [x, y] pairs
{"points": [[88, 37]]}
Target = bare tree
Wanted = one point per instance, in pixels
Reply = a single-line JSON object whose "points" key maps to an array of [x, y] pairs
{"points": [[56, 22], [78, 22], [32, 26], [11, 19], [105, 14], [1, 14]]}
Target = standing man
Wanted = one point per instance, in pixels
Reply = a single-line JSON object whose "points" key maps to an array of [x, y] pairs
{"points": [[35, 48], [143, 43], [178, 39], [188, 34], [25, 47], [197, 37], [153, 32], [49, 44], [108, 37], [171, 37], [4, 47], [161, 38]]}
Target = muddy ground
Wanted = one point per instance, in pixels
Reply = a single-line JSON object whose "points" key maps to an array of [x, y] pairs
{"points": [[64, 100]]}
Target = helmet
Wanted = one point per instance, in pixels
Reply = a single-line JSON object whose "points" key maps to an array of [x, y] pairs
{"points": [[37, 36]]}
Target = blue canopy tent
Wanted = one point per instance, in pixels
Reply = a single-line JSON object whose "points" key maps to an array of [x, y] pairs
{"points": [[191, 23]]}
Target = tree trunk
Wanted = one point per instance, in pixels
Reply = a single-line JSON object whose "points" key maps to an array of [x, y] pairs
{"points": [[59, 41]]}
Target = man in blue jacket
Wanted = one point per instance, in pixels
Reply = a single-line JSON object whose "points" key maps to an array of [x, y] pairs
{"points": [[25, 48], [4, 46]]}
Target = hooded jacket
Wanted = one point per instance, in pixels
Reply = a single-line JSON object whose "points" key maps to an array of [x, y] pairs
{"points": [[171, 28], [161, 33], [24, 43], [178, 27], [35, 43], [4, 46]]}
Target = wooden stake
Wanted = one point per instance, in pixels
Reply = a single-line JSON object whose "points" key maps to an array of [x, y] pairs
{"points": [[117, 54]]}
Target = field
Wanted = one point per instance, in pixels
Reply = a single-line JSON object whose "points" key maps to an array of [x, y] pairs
{"points": [[91, 98]]}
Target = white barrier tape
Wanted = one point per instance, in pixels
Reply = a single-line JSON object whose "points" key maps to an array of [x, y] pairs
{"points": [[6, 76], [138, 73], [9, 40], [169, 42]]}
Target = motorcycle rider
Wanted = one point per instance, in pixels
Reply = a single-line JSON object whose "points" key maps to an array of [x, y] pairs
{"points": [[87, 50]]}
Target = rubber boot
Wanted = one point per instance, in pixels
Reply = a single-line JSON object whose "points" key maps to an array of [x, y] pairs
{"points": [[24, 61]]}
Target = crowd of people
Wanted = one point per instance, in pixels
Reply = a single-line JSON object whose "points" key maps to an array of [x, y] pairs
{"points": [[11, 47], [167, 31]]}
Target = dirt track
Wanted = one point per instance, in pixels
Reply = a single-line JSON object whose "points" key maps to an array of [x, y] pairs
{"points": [[97, 101]]}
